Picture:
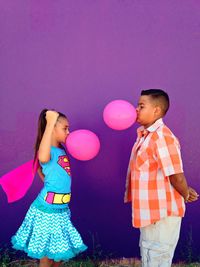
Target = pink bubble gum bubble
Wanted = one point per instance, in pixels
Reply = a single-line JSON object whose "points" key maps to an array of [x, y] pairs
{"points": [[119, 114], [83, 144]]}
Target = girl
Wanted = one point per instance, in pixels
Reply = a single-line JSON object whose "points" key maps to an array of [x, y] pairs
{"points": [[47, 232]]}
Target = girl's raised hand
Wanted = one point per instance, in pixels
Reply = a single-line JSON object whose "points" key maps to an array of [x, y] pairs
{"points": [[52, 116]]}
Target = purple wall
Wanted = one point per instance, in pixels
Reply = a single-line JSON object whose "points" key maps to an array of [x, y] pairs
{"points": [[76, 56]]}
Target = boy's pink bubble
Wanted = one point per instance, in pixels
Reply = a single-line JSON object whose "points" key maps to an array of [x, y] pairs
{"points": [[119, 114], [83, 144]]}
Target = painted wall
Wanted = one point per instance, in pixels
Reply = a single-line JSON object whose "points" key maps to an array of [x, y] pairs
{"points": [[76, 56]]}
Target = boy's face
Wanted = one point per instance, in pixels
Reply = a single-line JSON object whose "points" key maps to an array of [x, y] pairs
{"points": [[147, 111]]}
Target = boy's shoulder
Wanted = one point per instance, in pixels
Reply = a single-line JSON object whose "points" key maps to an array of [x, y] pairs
{"points": [[158, 127], [165, 130], [165, 133]]}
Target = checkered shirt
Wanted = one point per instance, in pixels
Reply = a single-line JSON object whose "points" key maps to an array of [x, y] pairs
{"points": [[155, 156]]}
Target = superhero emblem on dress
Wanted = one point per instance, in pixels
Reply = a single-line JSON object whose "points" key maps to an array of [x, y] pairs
{"points": [[63, 161]]}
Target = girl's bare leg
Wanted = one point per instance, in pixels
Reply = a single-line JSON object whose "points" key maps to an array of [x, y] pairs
{"points": [[56, 264], [45, 262]]}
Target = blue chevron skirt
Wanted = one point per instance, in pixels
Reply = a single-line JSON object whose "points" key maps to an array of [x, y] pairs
{"points": [[45, 234]]}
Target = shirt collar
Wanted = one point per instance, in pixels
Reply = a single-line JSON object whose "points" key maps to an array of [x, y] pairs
{"points": [[141, 131]]}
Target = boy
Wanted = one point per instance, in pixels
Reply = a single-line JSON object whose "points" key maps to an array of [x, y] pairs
{"points": [[155, 182]]}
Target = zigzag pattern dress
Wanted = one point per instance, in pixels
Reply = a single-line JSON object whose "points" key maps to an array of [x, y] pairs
{"points": [[47, 230]]}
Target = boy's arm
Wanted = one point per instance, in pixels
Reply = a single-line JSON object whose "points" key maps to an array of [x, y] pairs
{"points": [[180, 184], [169, 159]]}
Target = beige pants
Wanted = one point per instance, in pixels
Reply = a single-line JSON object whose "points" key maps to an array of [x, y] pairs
{"points": [[158, 242]]}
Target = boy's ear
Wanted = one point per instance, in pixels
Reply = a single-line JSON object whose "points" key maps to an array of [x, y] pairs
{"points": [[158, 111]]}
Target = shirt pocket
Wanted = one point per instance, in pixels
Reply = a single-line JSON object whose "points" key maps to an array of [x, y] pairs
{"points": [[146, 161]]}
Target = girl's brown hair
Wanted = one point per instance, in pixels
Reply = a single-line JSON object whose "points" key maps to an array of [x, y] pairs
{"points": [[41, 128]]}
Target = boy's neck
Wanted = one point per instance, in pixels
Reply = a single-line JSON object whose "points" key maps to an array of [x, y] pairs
{"points": [[150, 124]]}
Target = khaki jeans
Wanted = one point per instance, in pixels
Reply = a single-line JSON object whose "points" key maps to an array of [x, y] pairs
{"points": [[158, 242]]}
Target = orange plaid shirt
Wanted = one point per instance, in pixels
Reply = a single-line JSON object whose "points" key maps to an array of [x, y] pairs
{"points": [[155, 156]]}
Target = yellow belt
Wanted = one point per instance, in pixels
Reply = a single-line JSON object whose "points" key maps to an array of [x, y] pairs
{"points": [[57, 198]]}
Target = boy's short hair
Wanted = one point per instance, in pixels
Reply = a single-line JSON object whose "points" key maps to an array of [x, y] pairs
{"points": [[160, 96]]}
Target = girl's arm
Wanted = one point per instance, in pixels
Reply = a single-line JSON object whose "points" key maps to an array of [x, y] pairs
{"points": [[40, 173], [45, 145]]}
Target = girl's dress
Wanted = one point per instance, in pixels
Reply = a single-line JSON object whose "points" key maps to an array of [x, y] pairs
{"points": [[47, 230]]}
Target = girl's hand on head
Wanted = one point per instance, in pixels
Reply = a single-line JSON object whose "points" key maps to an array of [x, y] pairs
{"points": [[52, 116]]}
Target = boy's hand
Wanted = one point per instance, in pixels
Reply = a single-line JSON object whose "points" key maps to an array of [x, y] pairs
{"points": [[193, 196]]}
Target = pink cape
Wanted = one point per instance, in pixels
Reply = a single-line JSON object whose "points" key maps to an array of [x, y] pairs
{"points": [[17, 182]]}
